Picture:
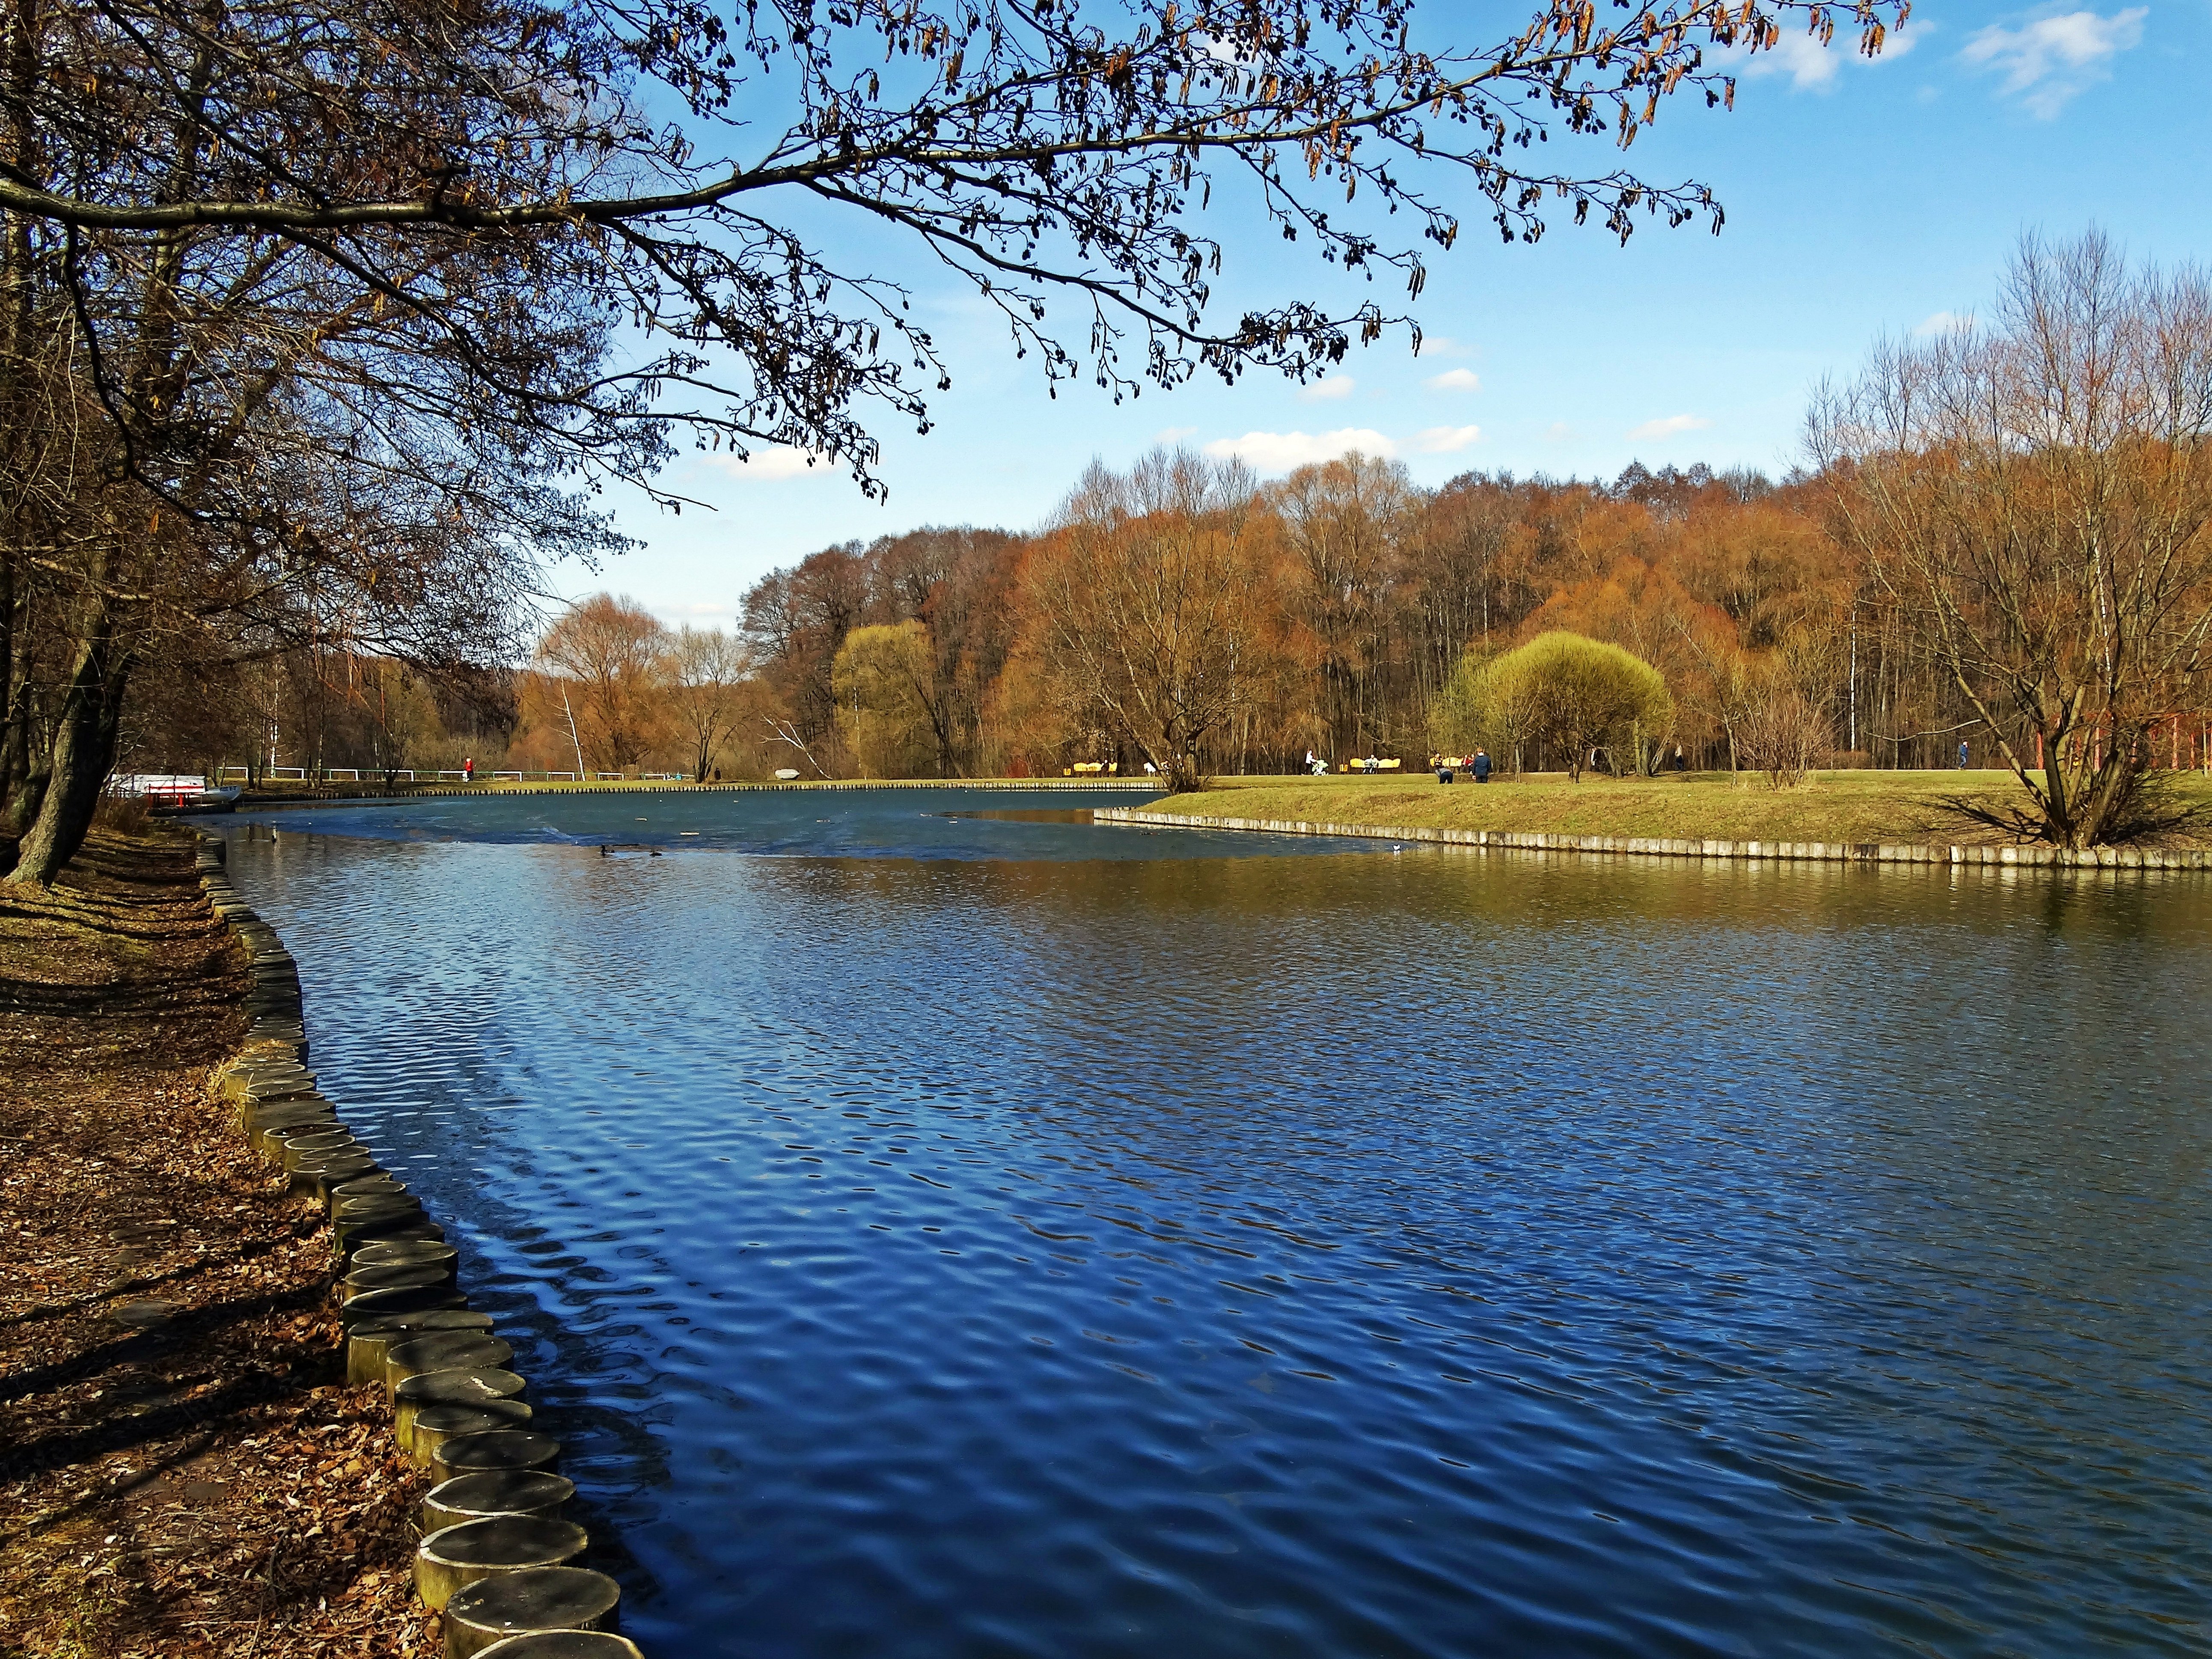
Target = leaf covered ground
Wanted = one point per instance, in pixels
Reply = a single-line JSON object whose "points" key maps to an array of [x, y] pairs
{"points": [[182, 1470]]}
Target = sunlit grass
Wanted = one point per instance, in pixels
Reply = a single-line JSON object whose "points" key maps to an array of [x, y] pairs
{"points": [[1829, 807]]}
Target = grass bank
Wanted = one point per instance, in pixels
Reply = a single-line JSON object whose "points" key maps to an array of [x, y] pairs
{"points": [[1829, 807], [183, 1472]]}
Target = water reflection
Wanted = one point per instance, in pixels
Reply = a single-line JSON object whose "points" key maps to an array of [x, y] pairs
{"points": [[1331, 1252]]}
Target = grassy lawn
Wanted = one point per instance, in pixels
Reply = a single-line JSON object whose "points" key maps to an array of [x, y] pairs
{"points": [[1831, 806]]}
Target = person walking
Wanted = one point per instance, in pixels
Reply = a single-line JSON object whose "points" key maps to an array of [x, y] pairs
{"points": [[469, 770], [1962, 755], [1480, 766]]}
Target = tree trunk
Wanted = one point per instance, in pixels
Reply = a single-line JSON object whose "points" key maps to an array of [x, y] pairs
{"points": [[84, 750], [22, 786]]}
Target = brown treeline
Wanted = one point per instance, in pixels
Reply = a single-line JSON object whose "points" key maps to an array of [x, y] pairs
{"points": [[1325, 612], [2001, 556]]}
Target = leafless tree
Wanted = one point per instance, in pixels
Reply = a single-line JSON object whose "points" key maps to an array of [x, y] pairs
{"points": [[1344, 522], [1040, 149], [610, 657], [1143, 603], [258, 234], [1783, 734], [706, 667], [2035, 493]]}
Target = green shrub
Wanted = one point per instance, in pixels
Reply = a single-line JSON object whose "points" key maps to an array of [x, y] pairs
{"points": [[1559, 695]]}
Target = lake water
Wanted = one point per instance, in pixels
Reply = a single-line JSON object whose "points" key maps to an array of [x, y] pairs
{"points": [[954, 1235]]}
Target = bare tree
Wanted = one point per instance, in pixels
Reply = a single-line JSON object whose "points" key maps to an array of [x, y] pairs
{"points": [[1041, 151], [411, 258], [1344, 522], [610, 657], [2034, 493], [706, 667], [1462, 530], [1145, 599], [1783, 734]]}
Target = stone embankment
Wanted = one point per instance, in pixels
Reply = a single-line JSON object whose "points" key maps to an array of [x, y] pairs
{"points": [[497, 1560], [1821, 852]]}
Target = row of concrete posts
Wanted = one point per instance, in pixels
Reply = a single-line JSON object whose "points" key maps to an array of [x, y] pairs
{"points": [[497, 1560]]}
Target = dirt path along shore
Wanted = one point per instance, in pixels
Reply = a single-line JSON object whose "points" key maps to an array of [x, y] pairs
{"points": [[182, 1470]]}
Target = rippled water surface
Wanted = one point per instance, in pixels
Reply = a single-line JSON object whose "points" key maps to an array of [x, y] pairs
{"points": [[958, 1237]]}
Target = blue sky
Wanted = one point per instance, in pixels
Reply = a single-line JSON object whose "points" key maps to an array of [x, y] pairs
{"points": [[1862, 199]]}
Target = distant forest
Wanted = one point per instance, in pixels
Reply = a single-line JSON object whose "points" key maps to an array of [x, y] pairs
{"points": [[1343, 606]]}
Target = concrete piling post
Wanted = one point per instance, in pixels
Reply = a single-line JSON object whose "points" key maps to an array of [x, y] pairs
{"points": [[315, 1146], [564, 1644], [443, 1351], [526, 1602], [475, 1385], [329, 1179], [457, 1557], [406, 1252], [312, 1178], [432, 1426], [292, 1119], [382, 1184], [349, 1234], [369, 1339], [412, 1299], [396, 1275], [349, 1212], [274, 1134], [496, 1448], [496, 1492], [497, 1556]]}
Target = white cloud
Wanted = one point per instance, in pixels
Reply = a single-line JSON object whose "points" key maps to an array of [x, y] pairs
{"points": [[1558, 432], [1812, 66], [1174, 434], [1941, 322], [772, 463], [1801, 58], [706, 609], [1284, 452], [1456, 379], [1328, 390], [1440, 345], [2049, 59], [1446, 439], [1669, 426]]}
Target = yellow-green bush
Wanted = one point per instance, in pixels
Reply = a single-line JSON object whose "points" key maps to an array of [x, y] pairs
{"points": [[1560, 696]]}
